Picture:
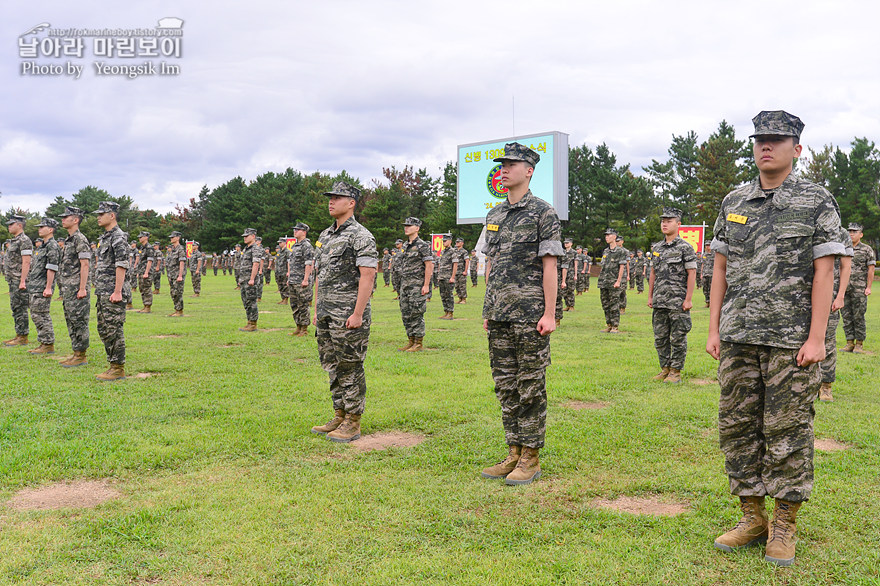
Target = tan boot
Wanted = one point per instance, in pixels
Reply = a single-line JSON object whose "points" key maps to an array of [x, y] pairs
{"points": [[129, 307], [178, 313], [446, 315], [825, 393], [17, 341], [115, 372], [674, 376], [78, 359], [614, 330], [417, 345], [155, 291], [408, 345], [781, 541], [662, 374], [302, 331], [858, 349], [850, 346], [250, 327], [527, 470], [331, 425], [750, 529], [146, 309], [348, 431], [282, 302], [505, 466], [43, 349], [606, 329]]}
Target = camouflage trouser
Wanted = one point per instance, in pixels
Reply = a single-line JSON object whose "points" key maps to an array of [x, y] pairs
{"points": [[581, 282], [671, 327], [215, 271], [855, 304], [42, 318], [146, 288], [386, 276], [258, 283], [474, 276], [18, 301], [610, 298], [267, 276], [283, 285], [461, 286], [447, 295], [829, 365], [249, 299], [632, 282], [111, 327], [623, 295], [519, 357], [342, 353], [569, 291], [196, 281], [300, 298], [237, 273], [765, 421], [132, 278], [587, 282], [395, 281], [640, 282], [76, 314], [412, 310], [157, 280], [557, 313], [176, 288], [707, 288]]}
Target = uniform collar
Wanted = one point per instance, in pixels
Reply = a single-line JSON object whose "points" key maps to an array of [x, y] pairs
{"points": [[780, 194], [664, 242], [345, 224], [522, 203]]}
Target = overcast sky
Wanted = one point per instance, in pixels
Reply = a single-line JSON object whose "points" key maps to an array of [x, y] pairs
{"points": [[331, 85]]}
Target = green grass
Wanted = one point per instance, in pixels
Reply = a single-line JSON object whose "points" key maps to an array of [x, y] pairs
{"points": [[222, 482]]}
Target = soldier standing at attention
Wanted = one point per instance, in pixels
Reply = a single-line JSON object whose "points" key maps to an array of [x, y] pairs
{"points": [[236, 264], [74, 281], [268, 265], [345, 265], [523, 244], [41, 283], [248, 277], [395, 275], [856, 298], [569, 281], [195, 269], [282, 259], [585, 270], [578, 270], [142, 270], [461, 268], [176, 272], [416, 267], [112, 289], [473, 267], [446, 267], [775, 242], [626, 275], [301, 261], [842, 273], [260, 255], [707, 267], [670, 289], [610, 279], [640, 266], [131, 275], [386, 266], [19, 255], [158, 266]]}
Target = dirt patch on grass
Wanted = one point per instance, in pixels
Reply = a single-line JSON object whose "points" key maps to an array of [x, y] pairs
{"points": [[145, 375], [267, 312], [708, 432], [387, 439], [83, 494], [642, 506], [234, 345], [272, 329], [582, 405], [827, 444], [166, 336], [703, 381]]}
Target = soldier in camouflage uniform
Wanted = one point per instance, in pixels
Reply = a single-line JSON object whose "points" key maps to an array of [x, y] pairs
{"points": [[19, 255], [74, 280], [143, 269], [842, 272], [236, 264], [461, 267], [345, 264], [131, 275], [195, 268], [473, 267], [176, 268], [856, 299], [248, 277], [640, 267], [386, 266], [707, 266], [112, 289], [446, 267], [282, 259], [158, 266], [585, 270], [578, 270], [569, 282], [416, 267], [268, 265], [395, 276], [41, 283], [261, 253], [301, 261], [610, 281], [522, 246], [626, 274], [670, 290], [775, 242]]}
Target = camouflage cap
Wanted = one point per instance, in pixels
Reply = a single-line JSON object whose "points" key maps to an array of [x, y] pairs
{"points": [[568, 241], [175, 234], [249, 232], [447, 237], [855, 227], [398, 241], [412, 221], [344, 189], [610, 231], [671, 212], [144, 234], [72, 211], [777, 123], [302, 226], [196, 244], [238, 245], [106, 207], [459, 239], [48, 223], [38, 241], [14, 219], [619, 238], [514, 151]]}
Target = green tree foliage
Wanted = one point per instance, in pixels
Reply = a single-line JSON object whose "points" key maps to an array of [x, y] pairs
{"points": [[818, 166], [675, 181], [856, 184], [723, 163]]}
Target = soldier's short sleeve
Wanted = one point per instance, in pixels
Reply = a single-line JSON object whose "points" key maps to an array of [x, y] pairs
{"points": [[549, 234], [872, 259], [425, 251], [309, 256], [719, 241], [53, 258], [827, 232], [365, 249], [27, 247], [690, 257], [120, 252]]}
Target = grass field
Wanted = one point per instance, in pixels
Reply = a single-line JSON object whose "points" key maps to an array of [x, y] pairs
{"points": [[220, 482]]}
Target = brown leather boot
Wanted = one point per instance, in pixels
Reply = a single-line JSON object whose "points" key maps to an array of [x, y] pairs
{"points": [[282, 302], [331, 425], [129, 307], [78, 359], [825, 393], [155, 291], [408, 345], [17, 341], [115, 372], [781, 541], [43, 349], [302, 331], [858, 349], [558, 321], [527, 470], [750, 529], [146, 309], [850, 346], [417, 345], [614, 330], [662, 374], [348, 431], [674, 376], [446, 315], [606, 329], [250, 327], [505, 466], [177, 313]]}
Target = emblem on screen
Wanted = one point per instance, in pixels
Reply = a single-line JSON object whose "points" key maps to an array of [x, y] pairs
{"points": [[493, 183]]}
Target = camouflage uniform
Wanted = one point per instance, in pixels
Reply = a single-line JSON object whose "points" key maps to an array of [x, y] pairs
{"points": [[76, 311], [301, 255], [19, 247], [829, 365], [340, 252], [386, 268], [765, 417], [444, 273], [250, 256], [195, 271], [571, 277], [584, 276], [395, 274], [282, 260], [177, 254], [523, 233], [474, 269], [133, 257], [672, 260], [461, 257], [624, 280], [158, 265], [855, 300], [236, 264], [413, 304], [639, 272], [609, 296], [112, 254], [46, 258], [707, 267], [145, 255]]}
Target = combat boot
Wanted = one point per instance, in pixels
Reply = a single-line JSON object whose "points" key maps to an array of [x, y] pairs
{"points": [[282, 302], [614, 330], [78, 359], [750, 529], [825, 393], [781, 540], [155, 291], [129, 307], [558, 321], [850, 346], [505, 466], [331, 425], [606, 329], [408, 345], [115, 372], [250, 327], [43, 349], [527, 470], [17, 341], [302, 331], [146, 309], [417, 345], [858, 349], [662, 374], [348, 431], [674, 376], [446, 315]]}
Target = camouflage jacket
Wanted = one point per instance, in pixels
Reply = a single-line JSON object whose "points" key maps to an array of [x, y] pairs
{"points": [[460, 256], [145, 254], [340, 254], [708, 264], [19, 246], [113, 252], [611, 261], [386, 261], [236, 259], [412, 260], [518, 236], [770, 240], [178, 253], [638, 264], [158, 262], [301, 255], [863, 259], [76, 248], [46, 258], [194, 259], [394, 265], [475, 264], [444, 264], [282, 260], [250, 256], [672, 260]]}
